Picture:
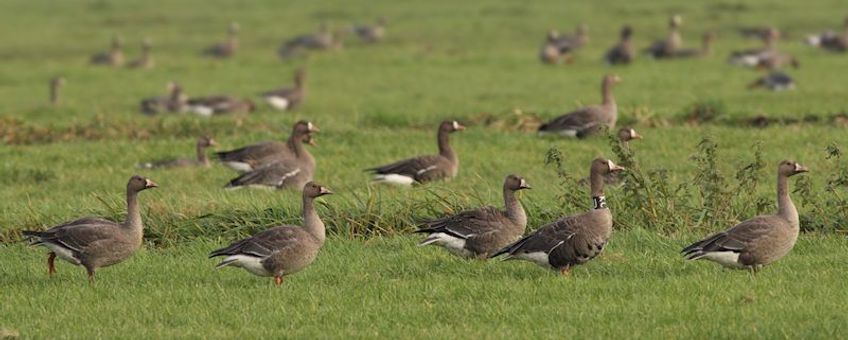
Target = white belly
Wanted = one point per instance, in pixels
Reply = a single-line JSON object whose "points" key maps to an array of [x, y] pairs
{"points": [[453, 244], [540, 258], [62, 252], [278, 103], [238, 166], [394, 179], [725, 258], [200, 110], [251, 264]]}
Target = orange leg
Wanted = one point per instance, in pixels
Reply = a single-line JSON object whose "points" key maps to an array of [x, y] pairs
{"points": [[565, 271], [51, 266], [278, 280]]}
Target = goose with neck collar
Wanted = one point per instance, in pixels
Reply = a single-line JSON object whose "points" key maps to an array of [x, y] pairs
{"points": [[426, 168], [571, 240], [587, 120], [282, 250], [480, 232], [759, 241], [95, 242]]}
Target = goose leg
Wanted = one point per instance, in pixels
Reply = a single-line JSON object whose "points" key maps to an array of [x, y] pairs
{"points": [[51, 266], [278, 280], [565, 271], [90, 271]]}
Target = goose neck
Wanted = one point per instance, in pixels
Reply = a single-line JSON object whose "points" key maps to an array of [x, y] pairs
{"points": [[311, 221], [202, 157], [606, 93], [443, 139], [514, 210], [133, 220], [785, 207]]}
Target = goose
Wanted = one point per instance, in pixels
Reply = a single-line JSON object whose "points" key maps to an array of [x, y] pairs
{"points": [[253, 156], [283, 250], [583, 121], [705, 50], [775, 81], [115, 56], [767, 57], [288, 98], [228, 48], [203, 143], [568, 43], [371, 33], [625, 135], [56, 85], [219, 104], [324, 39], [95, 242], [571, 240], [426, 168], [623, 52], [549, 53], [175, 101], [146, 59], [277, 174], [831, 40], [759, 241], [665, 48], [479, 232]]}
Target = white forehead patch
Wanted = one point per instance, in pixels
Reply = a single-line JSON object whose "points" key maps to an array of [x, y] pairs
{"points": [[632, 132], [610, 164], [455, 125], [309, 126]]}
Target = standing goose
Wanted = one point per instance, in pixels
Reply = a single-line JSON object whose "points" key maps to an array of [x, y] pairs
{"points": [[480, 232], [588, 119], [253, 156], [146, 59], [282, 250], [830, 40], [175, 101], [705, 50], [371, 33], [571, 240], [759, 241], [666, 48], [95, 242], [219, 104], [288, 98], [56, 85], [203, 143], [426, 168], [115, 56], [228, 48], [775, 81], [623, 52]]}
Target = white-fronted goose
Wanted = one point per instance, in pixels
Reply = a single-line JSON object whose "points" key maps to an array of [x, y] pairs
{"points": [[95, 242], [625, 136], [427, 168], [705, 50], [371, 33], [56, 85], [283, 250], [588, 119], [146, 60], [767, 57], [228, 48], [203, 143], [115, 56], [219, 104], [830, 40], [253, 156], [665, 48], [288, 98], [571, 240], [623, 52], [549, 53], [324, 39], [480, 232], [278, 174], [569, 43], [759, 241], [775, 81], [175, 101]]}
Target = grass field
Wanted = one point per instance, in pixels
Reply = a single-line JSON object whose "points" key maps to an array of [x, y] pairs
{"points": [[474, 61]]}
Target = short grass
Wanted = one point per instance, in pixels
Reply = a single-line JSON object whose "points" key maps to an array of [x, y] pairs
{"points": [[474, 61]]}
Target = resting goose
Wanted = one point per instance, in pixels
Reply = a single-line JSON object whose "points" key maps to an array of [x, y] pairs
{"points": [[56, 85], [831, 40], [705, 50], [146, 59], [253, 156], [228, 48], [371, 33], [549, 53], [282, 250], [480, 232], [203, 143], [666, 48], [324, 39], [219, 104], [586, 120], [623, 52], [427, 168], [759, 241], [95, 242], [115, 56], [175, 101], [775, 81], [768, 57], [571, 240], [288, 98]]}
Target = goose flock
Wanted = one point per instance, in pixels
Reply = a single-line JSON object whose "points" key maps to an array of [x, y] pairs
{"points": [[482, 233]]}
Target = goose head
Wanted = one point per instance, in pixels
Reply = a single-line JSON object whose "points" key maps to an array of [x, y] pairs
{"points": [[605, 166], [790, 168], [451, 126], [312, 190], [206, 142], [515, 183], [627, 134], [138, 183]]}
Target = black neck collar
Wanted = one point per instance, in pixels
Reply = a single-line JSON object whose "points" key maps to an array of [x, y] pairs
{"points": [[599, 202]]}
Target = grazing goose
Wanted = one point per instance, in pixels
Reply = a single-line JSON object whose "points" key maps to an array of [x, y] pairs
{"points": [[203, 143], [253, 156], [219, 104], [282, 250], [288, 98], [324, 39], [775, 81], [571, 240], [371, 33], [427, 168], [665, 48], [228, 48], [623, 52], [480, 232], [584, 121], [759, 241], [146, 59], [830, 40], [705, 50], [95, 242], [115, 56], [56, 85], [175, 101]]}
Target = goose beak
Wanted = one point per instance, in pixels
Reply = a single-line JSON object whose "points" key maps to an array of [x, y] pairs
{"points": [[325, 191], [150, 184], [634, 134], [523, 185], [458, 127], [800, 168], [615, 167], [212, 142]]}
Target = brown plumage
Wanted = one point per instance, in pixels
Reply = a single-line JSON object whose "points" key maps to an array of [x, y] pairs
{"points": [[571, 240], [427, 168], [115, 56], [480, 232], [830, 40], [283, 250], [146, 60], [767, 57], [227, 48], [219, 104], [666, 48], [324, 39], [558, 48], [759, 241], [624, 52], [203, 143], [587, 120], [95, 242], [705, 50], [254, 156], [174, 102], [371, 33], [288, 98]]}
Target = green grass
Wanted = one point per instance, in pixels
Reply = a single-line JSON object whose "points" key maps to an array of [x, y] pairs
{"points": [[375, 104]]}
